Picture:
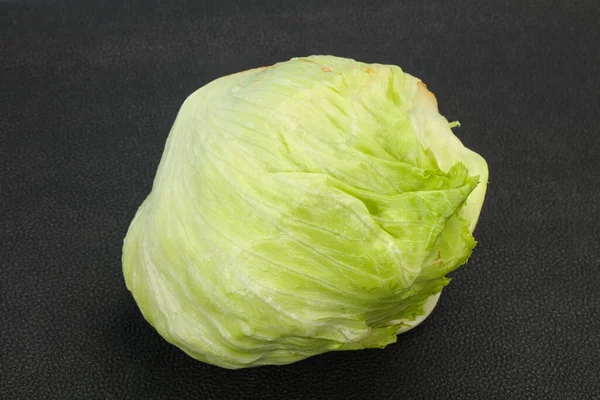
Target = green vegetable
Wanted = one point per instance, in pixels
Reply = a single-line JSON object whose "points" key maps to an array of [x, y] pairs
{"points": [[310, 206]]}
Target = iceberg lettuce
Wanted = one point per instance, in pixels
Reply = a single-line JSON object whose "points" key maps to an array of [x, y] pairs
{"points": [[310, 206]]}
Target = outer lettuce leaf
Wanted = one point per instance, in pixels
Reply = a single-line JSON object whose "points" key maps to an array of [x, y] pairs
{"points": [[310, 206]]}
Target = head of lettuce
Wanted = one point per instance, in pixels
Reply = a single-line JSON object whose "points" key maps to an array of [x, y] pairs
{"points": [[310, 206]]}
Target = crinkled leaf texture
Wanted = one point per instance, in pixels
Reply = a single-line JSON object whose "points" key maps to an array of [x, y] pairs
{"points": [[310, 206]]}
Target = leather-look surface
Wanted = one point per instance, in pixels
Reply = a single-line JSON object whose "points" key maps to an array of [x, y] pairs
{"points": [[88, 93]]}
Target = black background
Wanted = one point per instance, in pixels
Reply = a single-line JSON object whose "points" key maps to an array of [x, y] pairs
{"points": [[89, 92]]}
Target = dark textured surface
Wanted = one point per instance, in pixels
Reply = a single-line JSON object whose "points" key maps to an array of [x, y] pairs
{"points": [[87, 97]]}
